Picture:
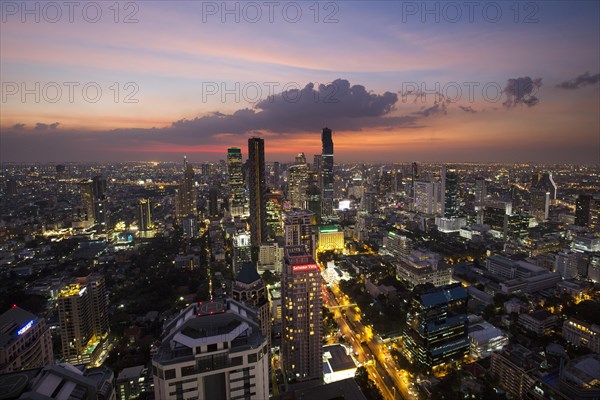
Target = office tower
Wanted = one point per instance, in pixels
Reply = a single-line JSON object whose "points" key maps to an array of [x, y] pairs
{"points": [[237, 201], [414, 172], [274, 211], [87, 200], [480, 196], [566, 264], [249, 288], [100, 201], [544, 183], [185, 201], [298, 182], [423, 197], [539, 204], [144, 215], [327, 176], [302, 318], [313, 202], [83, 319], [276, 174], [212, 351], [583, 205], [317, 163], [213, 201], [25, 341], [297, 230], [257, 188], [369, 202], [190, 226], [450, 192], [436, 331], [206, 170]]}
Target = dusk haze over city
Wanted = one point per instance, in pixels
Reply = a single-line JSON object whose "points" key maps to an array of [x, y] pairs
{"points": [[291, 200]]}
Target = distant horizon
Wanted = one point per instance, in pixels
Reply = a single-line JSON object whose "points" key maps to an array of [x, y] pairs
{"points": [[391, 81]]}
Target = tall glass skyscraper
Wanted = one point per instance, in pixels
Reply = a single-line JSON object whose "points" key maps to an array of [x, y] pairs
{"points": [[327, 173], [257, 188], [236, 181]]}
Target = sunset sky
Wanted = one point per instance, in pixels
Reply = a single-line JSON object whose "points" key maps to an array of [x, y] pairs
{"points": [[358, 67]]}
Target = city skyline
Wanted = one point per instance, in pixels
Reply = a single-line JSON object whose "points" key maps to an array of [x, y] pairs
{"points": [[195, 78]]}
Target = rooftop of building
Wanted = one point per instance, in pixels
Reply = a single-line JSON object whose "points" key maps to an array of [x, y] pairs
{"points": [[130, 373], [62, 381], [540, 315], [337, 358], [346, 389], [443, 294], [205, 323], [13, 323], [584, 371], [248, 273], [483, 331]]}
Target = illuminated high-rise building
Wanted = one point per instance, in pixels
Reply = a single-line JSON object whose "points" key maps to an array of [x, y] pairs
{"points": [[237, 201], [274, 206], [327, 175], [83, 319], [257, 188], [298, 182], [144, 215], [302, 319], [87, 200], [436, 331], [213, 350], [100, 201], [297, 230], [25, 342], [545, 183], [450, 191], [539, 205], [185, 201], [583, 205], [480, 196]]}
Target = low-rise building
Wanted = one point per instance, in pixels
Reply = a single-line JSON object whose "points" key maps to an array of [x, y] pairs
{"points": [[582, 334], [485, 339], [539, 322]]}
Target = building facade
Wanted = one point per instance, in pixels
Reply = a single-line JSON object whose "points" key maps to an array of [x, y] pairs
{"points": [[301, 297], [213, 351]]}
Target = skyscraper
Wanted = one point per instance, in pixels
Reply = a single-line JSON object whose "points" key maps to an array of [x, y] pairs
{"points": [[327, 176], [83, 319], [301, 297], [298, 182], [436, 330], [450, 188], [100, 200], [186, 193], [87, 200], [480, 196], [212, 351], [544, 182], [235, 174], [583, 205], [144, 215], [257, 188], [297, 230], [26, 341]]}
